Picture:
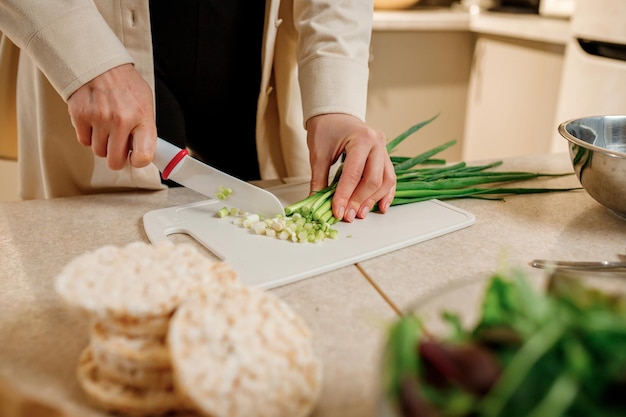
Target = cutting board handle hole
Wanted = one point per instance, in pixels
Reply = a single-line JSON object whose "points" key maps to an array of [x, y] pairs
{"points": [[188, 238]]}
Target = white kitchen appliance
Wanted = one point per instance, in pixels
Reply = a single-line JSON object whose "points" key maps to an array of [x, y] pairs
{"points": [[593, 80], [268, 262]]}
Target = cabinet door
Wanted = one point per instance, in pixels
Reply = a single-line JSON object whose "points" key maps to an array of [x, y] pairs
{"points": [[9, 57], [415, 75], [8, 180], [512, 98]]}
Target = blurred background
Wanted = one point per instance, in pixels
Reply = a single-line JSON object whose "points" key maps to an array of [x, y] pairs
{"points": [[502, 74]]}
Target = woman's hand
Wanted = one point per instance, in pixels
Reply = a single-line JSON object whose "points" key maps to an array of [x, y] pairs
{"points": [[368, 176], [114, 115]]}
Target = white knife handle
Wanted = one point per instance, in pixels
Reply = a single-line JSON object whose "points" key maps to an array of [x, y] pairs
{"points": [[167, 157]]}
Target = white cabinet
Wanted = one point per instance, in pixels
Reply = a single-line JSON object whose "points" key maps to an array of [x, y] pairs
{"points": [[493, 76], [594, 73], [8, 180], [512, 97], [415, 74]]}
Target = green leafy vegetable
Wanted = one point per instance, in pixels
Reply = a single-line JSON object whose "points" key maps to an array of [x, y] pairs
{"points": [[532, 353]]}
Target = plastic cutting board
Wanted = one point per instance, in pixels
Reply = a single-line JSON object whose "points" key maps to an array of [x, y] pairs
{"points": [[269, 262]]}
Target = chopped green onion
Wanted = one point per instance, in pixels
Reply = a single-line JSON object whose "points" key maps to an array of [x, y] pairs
{"points": [[223, 212], [223, 192]]}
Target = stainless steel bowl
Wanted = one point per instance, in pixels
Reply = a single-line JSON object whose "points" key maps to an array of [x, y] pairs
{"points": [[597, 148]]}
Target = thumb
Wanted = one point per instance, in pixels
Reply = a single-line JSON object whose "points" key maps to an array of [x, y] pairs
{"points": [[319, 178]]}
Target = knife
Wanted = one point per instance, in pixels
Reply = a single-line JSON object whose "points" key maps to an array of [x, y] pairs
{"points": [[175, 164], [579, 265]]}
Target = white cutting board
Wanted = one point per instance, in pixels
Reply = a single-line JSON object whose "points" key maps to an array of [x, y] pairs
{"points": [[269, 262]]}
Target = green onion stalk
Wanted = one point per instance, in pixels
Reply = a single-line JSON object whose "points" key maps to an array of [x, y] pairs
{"points": [[418, 178]]}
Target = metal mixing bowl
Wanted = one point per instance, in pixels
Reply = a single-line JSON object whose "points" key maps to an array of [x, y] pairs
{"points": [[597, 148]]}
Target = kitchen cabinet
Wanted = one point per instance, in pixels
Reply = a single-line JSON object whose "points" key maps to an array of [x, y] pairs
{"points": [[512, 97], [594, 73], [415, 75], [8, 180], [8, 144], [493, 76], [8, 134]]}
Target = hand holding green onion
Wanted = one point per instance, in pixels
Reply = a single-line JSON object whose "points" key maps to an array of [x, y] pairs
{"points": [[368, 176], [418, 178]]}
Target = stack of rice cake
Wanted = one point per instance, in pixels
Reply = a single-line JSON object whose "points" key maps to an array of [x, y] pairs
{"points": [[173, 331]]}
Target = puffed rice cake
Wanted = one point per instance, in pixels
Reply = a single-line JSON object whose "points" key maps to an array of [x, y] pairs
{"points": [[130, 294], [137, 361], [139, 281], [239, 351], [109, 395]]}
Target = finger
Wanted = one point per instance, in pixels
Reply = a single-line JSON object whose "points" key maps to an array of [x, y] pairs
{"points": [[375, 184], [344, 207], [367, 192], [383, 197], [83, 134], [385, 193], [118, 147], [143, 145], [99, 141], [318, 183], [82, 128], [385, 202], [320, 170]]}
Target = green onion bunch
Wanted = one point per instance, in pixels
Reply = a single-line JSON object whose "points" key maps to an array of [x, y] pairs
{"points": [[426, 182], [419, 178]]}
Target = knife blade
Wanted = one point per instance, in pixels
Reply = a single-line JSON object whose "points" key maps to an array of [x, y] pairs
{"points": [[175, 164]]}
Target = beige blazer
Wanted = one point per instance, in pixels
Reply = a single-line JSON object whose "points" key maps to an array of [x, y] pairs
{"points": [[315, 61]]}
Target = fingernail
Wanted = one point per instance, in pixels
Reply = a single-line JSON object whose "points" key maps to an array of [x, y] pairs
{"points": [[384, 206], [341, 210], [351, 215], [364, 211]]}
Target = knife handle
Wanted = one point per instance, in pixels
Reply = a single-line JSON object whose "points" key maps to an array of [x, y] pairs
{"points": [[167, 157]]}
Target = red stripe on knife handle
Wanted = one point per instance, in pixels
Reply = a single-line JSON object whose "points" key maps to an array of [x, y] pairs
{"points": [[172, 164]]}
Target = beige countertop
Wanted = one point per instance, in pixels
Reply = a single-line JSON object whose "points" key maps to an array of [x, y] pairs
{"points": [[346, 312], [520, 26], [421, 19]]}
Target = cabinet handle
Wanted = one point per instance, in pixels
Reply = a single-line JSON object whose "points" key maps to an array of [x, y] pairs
{"points": [[603, 49]]}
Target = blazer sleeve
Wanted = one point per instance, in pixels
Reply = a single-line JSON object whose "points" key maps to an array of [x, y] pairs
{"points": [[333, 55], [69, 40]]}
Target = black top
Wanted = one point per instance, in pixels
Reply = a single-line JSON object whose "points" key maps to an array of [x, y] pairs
{"points": [[207, 61]]}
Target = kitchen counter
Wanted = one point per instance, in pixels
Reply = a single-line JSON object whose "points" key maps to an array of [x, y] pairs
{"points": [[420, 19], [346, 309], [521, 26]]}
